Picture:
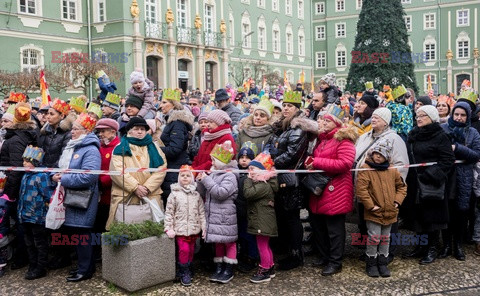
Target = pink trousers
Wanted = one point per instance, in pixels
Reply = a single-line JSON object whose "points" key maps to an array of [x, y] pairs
{"points": [[266, 255], [186, 248], [227, 249]]}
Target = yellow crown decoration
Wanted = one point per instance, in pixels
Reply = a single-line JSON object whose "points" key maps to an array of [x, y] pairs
{"points": [[33, 153], [171, 94], [87, 121], [399, 91], [223, 152], [78, 104], [95, 109], [250, 145], [368, 85], [23, 112], [468, 95], [17, 97], [61, 106], [336, 111], [292, 97], [113, 99], [266, 105], [263, 161]]}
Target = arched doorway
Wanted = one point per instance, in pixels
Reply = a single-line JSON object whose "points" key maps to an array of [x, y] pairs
{"points": [[460, 79], [183, 74], [152, 69], [211, 75]]}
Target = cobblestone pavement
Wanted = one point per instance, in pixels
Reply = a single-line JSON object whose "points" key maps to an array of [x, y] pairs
{"points": [[447, 276]]}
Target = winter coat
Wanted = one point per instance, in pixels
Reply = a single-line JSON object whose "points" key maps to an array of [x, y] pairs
{"points": [[175, 138], [148, 98], [399, 154], [17, 138], [53, 141], [430, 144], [332, 95], [203, 161], [361, 128], [114, 116], [152, 181], [259, 135], [469, 152], [86, 156], [220, 190], [402, 118], [233, 112], [261, 211], [105, 182], [35, 193], [185, 211], [382, 189], [194, 145], [6, 208], [335, 154], [241, 201]]}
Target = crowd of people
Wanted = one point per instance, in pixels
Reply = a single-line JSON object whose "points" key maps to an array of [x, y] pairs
{"points": [[226, 146]]}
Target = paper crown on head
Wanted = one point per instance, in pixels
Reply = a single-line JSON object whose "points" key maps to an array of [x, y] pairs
{"points": [[386, 87], [399, 91], [61, 106], [266, 106], [95, 109], [466, 82], [3, 180], [223, 152], [292, 97], [100, 74], [368, 85], [11, 110], [23, 112], [171, 94], [240, 89], [112, 100], [336, 111], [468, 95], [87, 121], [248, 145], [78, 104], [265, 97], [33, 153], [17, 97], [263, 161]]}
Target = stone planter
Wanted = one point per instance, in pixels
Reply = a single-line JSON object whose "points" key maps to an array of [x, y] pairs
{"points": [[139, 264]]}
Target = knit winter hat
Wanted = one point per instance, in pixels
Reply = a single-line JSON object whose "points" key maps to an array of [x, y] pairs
{"points": [[248, 149], [221, 95], [329, 78], [384, 113], [202, 116], [134, 101], [431, 112], [137, 76], [425, 100], [266, 106], [136, 121], [383, 147], [370, 100], [219, 117]]}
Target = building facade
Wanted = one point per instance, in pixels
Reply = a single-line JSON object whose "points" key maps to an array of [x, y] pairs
{"points": [[445, 32]]}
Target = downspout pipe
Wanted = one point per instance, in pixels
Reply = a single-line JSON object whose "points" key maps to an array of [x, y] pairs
{"points": [[89, 36]]}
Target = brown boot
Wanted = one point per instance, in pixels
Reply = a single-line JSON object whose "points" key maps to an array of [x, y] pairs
{"points": [[477, 249]]}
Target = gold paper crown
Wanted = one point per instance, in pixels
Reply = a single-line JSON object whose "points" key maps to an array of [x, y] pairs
{"points": [[33, 153], [468, 95], [336, 111], [87, 121], [223, 152], [292, 97], [23, 111], [171, 94], [78, 103], [17, 97], [113, 99], [95, 109], [264, 159], [61, 106], [399, 91], [368, 85]]}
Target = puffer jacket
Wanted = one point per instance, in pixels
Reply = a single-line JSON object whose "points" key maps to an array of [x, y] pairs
{"points": [[382, 189], [105, 184], [86, 156], [35, 193], [335, 154], [220, 190], [6, 208], [194, 145], [53, 141], [233, 112], [147, 96], [17, 138], [259, 135], [175, 138], [261, 211], [402, 118], [185, 211], [332, 93]]}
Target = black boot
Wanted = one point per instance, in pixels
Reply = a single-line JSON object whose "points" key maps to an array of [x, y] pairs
{"points": [[218, 269], [186, 277], [418, 252], [430, 257], [36, 274], [458, 252], [293, 261], [371, 267], [227, 274], [446, 251], [382, 265]]}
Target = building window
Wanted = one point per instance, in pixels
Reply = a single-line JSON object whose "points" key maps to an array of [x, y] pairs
{"points": [[231, 29], [275, 5], [320, 8], [340, 31], [28, 6], [462, 50], [462, 18], [69, 8], [340, 5], [320, 33], [301, 42], [261, 3], [289, 42], [359, 4], [290, 77], [288, 7], [31, 58], [321, 58], [433, 80], [151, 11], [341, 58], [430, 51], [262, 39], [429, 21], [246, 31], [408, 22], [300, 9], [101, 10], [208, 18], [182, 13], [341, 83], [406, 1], [276, 40]]}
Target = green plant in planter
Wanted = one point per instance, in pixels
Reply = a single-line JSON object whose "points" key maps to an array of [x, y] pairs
{"points": [[136, 231]]}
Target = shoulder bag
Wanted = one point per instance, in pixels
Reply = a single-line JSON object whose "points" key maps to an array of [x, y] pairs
{"points": [[79, 199]]}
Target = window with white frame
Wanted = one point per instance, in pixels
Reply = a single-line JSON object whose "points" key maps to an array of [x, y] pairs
{"points": [[246, 31], [73, 75], [275, 5], [101, 11], [288, 7], [320, 8], [340, 5], [463, 18], [290, 77], [31, 58], [430, 49], [208, 18], [406, 1], [321, 59], [300, 9], [70, 10], [320, 33], [231, 28], [289, 36], [301, 42], [151, 11], [359, 4], [29, 6], [408, 22], [429, 21], [262, 37], [261, 3], [433, 80], [340, 56], [341, 83], [276, 38], [340, 31], [182, 17], [463, 46]]}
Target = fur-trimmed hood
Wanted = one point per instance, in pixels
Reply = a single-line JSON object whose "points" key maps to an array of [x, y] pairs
{"points": [[26, 125], [182, 115], [349, 133], [307, 125], [65, 124]]}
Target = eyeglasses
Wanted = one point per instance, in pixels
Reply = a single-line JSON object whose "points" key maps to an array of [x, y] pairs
{"points": [[420, 116]]}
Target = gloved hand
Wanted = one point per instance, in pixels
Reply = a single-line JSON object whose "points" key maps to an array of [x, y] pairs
{"points": [[171, 233]]}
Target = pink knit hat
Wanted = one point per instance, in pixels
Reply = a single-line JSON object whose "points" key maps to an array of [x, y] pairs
{"points": [[220, 117]]}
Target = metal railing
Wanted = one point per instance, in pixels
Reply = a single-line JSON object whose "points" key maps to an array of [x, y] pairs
{"points": [[213, 39], [186, 35], [155, 30]]}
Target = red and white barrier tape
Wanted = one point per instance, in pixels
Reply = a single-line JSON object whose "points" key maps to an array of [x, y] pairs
{"points": [[153, 170]]}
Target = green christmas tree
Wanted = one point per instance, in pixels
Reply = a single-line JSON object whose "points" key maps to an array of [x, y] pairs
{"points": [[381, 53]]}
